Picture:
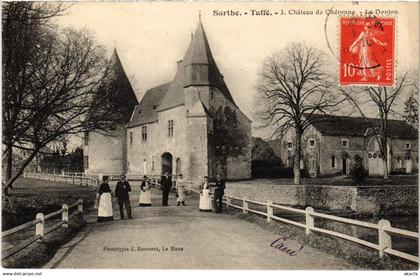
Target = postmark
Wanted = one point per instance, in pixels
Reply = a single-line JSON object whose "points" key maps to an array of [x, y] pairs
{"points": [[367, 51]]}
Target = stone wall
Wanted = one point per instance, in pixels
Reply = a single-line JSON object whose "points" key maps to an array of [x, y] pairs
{"points": [[158, 143], [386, 200]]}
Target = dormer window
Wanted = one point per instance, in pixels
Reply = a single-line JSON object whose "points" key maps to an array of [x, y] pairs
{"points": [[345, 143], [154, 106], [289, 145], [140, 110]]}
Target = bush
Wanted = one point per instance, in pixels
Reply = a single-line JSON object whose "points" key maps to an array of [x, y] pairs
{"points": [[398, 172], [264, 169], [358, 171]]}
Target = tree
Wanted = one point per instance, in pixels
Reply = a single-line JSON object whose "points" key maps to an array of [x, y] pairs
{"points": [[228, 138], [21, 23], [291, 87], [358, 171], [411, 109], [51, 77], [384, 100]]}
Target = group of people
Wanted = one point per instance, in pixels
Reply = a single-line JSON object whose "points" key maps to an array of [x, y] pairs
{"points": [[122, 189]]}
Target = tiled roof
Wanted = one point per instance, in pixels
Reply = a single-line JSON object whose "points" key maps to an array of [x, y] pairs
{"points": [[357, 126], [146, 111]]}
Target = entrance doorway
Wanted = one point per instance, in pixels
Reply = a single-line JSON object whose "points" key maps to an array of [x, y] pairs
{"points": [[166, 163], [344, 165]]}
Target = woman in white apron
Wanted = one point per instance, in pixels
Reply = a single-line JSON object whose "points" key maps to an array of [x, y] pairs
{"points": [[180, 190], [105, 201], [145, 199], [205, 199]]}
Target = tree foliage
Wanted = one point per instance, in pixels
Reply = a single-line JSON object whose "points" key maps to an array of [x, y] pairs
{"points": [[411, 110]]}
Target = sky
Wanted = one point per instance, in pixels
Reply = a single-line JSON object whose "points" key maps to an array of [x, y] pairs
{"points": [[151, 37]]}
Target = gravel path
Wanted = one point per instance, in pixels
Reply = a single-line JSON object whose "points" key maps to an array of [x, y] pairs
{"points": [[183, 238]]}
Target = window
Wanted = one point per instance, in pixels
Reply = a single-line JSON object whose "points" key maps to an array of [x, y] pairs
{"points": [[144, 166], [407, 146], [131, 138], [86, 139], [289, 145], [144, 133], [345, 143], [170, 128], [211, 95], [333, 161], [153, 163], [311, 143], [86, 162]]}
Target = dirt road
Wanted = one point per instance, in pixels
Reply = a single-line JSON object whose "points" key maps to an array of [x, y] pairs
{"points": [[184, 238]]}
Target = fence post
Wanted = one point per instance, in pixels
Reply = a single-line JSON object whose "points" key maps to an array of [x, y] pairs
{"points": [[73, 179], [309, 220], [80, 206], [39, 227], [65, 215], [269, 211], [383, 237], [245, 206]]}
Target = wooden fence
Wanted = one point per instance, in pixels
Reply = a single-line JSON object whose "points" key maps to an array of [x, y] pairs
{"points": [[383, 227], [93, 180], [40, 230], [71, 179]]}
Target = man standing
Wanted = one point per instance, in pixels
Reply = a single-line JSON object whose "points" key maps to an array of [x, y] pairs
{"points": [[121, 191], [166, 184], [218, 193]]}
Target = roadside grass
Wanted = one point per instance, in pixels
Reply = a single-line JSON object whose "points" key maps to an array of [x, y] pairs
{"points": [[353, 253], [32, 196]]}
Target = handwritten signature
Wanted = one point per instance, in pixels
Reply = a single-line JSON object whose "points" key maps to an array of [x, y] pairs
{"points": [[279, 245]]}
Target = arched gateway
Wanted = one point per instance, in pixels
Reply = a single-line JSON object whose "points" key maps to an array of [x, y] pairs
{"points": [[166, 163]]}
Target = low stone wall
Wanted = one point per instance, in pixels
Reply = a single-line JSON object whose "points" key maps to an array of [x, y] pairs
{"points": [[374, 200]]}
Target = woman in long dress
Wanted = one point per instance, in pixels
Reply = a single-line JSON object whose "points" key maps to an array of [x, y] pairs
{"points": [[145, 199], [180, 189], [205, 199], [105, 201]]}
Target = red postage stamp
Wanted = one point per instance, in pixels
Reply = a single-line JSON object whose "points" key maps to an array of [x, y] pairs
{"points": [[367, 51]]}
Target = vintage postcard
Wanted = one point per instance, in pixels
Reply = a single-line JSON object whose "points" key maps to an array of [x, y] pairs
{"points": [[210, 135]]}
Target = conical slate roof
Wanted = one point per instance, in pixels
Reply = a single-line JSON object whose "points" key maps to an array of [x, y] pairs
{"points": [[117, 90], [199, 49], [198, 68]]}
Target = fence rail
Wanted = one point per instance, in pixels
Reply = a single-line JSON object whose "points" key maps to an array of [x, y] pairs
{"points": [[71, 179], [40, 230], [93, 180], [383, 227]]}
